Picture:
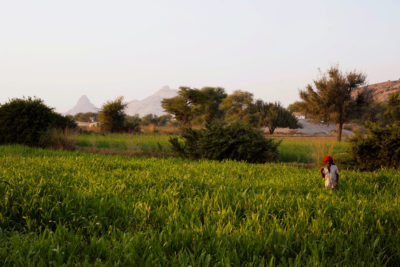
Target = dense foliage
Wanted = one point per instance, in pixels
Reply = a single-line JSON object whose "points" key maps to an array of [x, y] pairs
{"points": [[380, 148], [193, 105], [235, 142], [28, 120], [273, 115], [237, 107], [79, 209], [332, 98], [212, 104], [393, 107], [112, 116], [132, 124]]}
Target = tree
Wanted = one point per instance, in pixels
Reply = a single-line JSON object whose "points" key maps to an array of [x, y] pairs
{"points": [[393, 107], [195, 105], [333, 98], [278, 116], [179, 107], [112, 115], [238, 106], [164, 119], [150, 119], [206, 102], [271, 115], [26, 120], [132, 124]]}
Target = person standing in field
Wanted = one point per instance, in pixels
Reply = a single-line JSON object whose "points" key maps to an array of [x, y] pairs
{"points": [[331, 173]]}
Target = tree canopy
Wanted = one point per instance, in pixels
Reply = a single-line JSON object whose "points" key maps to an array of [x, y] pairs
{"points": [[333, 98], [202, 106], [112, 115], [237, 107], [277, 116], [195, 105]]}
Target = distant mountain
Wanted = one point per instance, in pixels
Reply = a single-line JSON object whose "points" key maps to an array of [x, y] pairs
{"points": [[82, 106], [151, 104], [382, 91]]}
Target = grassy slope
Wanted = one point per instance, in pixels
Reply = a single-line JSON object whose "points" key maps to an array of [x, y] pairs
{"points": [[68, 207]]}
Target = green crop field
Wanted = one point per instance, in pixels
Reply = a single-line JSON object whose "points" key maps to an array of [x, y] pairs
{"points": [[130, 144], [300, 150], [66, 208]]}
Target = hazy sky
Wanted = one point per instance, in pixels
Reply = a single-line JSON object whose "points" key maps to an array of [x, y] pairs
{"points": [[59, 50]]}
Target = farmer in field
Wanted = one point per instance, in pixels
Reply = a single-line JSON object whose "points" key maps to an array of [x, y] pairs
{"points": [[331, 173]]}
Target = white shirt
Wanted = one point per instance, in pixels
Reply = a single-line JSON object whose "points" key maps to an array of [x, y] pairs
{"points": [[331, 177]]}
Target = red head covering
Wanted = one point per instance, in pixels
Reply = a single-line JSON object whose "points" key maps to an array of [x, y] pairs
{"points": [[328, 158]]}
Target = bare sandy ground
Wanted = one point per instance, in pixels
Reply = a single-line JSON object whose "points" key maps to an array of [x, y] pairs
{"points": [[310, 128]]}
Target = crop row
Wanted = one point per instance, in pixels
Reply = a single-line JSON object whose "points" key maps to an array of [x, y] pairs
{"points": [[70, 208]]}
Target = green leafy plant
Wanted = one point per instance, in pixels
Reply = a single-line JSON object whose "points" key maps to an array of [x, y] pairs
{"points": [[380, 148], [27, 120], [235, 142]]}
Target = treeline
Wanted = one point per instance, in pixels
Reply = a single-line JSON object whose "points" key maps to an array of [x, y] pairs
{"points": [[197, 107], [146, 120], [212, 104]]}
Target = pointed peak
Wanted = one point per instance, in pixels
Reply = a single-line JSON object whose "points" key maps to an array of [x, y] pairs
{"points": [[83, 105], [84, 97]]}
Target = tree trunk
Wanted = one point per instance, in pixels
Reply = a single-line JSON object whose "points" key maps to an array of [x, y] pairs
{"points": [[271, 130], [339, 133]]}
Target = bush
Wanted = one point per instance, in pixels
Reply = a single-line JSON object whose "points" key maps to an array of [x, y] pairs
{"points": [[25, 121], [235, 142], [132, 124], [57, 139], [380, 148]]}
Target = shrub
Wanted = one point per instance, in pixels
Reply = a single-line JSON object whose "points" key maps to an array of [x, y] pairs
{"points": [[24, 121], [380, 148], [57, 139], [235, 142], [132, 124]]}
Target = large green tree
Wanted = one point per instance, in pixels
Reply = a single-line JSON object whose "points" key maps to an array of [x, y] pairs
{"points": [[272, 115], [195, 105], [112, 115], [238, 106], [179, 106], [206, 102], [333, 98], [278, 116]]}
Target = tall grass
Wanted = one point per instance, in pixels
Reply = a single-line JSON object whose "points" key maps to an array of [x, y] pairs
{"points": [[58, 139], [71, 208], [306, 151], [309, 151], [128, 144]]}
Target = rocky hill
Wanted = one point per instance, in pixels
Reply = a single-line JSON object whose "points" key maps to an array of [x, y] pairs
{"points": [[382, 91], [151, 104], [82, 106]]}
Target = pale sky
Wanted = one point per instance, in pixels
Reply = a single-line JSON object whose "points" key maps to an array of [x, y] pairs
{"points": [[59, 50]]}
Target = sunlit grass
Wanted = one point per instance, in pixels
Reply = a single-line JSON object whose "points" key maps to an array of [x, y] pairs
{"points": [[71, 208], [300, 150]]}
